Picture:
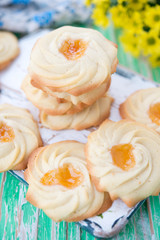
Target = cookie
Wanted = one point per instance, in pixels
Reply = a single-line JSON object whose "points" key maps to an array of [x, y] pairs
{"points": [[123, 159], [47, 103], [90, 116], [143, 106], [19, 136], [73, 60], [59, 183], [9, 49], [81, 101]]}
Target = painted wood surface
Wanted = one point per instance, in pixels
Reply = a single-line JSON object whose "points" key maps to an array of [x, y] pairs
{"points": [[20, 220]]}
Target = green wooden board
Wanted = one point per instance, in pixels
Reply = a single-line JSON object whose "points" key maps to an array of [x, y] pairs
{"points": [[18, 217]]}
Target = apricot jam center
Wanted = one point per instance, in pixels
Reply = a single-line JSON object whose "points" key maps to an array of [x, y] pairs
{"points": [[6, 133], [154, 113], [73, 49], [66, 176], [122, 156]]}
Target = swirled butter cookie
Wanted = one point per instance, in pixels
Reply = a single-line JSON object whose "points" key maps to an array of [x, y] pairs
{"points": [[81, 101], [9, 49], [124, 159], [47, 103], [143, 106], [60, 184], [90, 116], [19, 136], [73, 60]]}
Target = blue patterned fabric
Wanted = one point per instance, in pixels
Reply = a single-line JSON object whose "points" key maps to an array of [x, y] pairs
{"points": [[29, 15]]}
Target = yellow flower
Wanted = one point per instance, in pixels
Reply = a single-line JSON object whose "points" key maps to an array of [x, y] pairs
{"points": [[152, 16], [119, 15], [101, 2], [140, 23], [88, 2], [126, 18], [133, 4], [130, 40], [98, 3], [155, 58], [135, 22], [150, 41], [99, 17]]}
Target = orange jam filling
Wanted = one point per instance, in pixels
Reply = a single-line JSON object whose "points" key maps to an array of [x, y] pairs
{"points": [[6, 133], [154, 113], [122, 156], [66, 176], [73, 49]]}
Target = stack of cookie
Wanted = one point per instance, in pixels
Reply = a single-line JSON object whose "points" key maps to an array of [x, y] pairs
{"points": [[69, 75]]}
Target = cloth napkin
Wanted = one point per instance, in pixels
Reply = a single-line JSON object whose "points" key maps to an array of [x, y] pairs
{"points": [[29, 15]]}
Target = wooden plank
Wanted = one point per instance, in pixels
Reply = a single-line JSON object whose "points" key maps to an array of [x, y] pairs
{"points": [[150, 218], [19, 218], [121, 56], [106, 32], [8, 226], [63, 226], [156, 74], [145, 69], [145, 221], [73, 231], [86, 236], [82, 234], [2, 212], [44, 226], [2, 176], [137, 227], [29, 217], [60, 230], [155, 216], [140, 223], [128, 231]]}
